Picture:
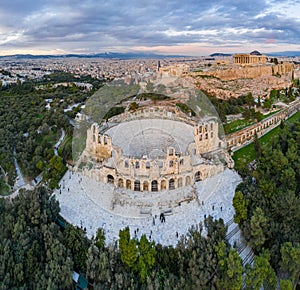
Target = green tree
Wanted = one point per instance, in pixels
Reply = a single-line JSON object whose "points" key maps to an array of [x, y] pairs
{"points": [[146, 259], [290, 262], [286, 285], [78, 245], [230, 268], [240, 206], [261, 274], [249, 100], [258, 226], [100, 239], [128, 249], [54, 171]]}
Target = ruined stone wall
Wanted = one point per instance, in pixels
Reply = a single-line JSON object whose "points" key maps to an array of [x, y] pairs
{"points": [[248, 72], [238, 80], [241, 137], [107, 164]]}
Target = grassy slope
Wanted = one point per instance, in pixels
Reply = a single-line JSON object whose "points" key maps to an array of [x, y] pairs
{"points": [[246, 154]]}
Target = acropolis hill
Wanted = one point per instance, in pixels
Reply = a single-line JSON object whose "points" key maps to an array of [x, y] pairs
{"points": [[232, 79]]}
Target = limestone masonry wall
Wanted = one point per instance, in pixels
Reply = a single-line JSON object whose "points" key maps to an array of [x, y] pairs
{"points": [[105, 162], [237, 139], [238, 71]]}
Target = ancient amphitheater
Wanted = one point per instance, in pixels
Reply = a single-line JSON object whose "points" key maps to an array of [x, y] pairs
{"points": [[154, 148], [157, 158]]}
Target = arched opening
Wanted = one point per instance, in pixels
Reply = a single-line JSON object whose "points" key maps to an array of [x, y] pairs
{"points": [[163, 185], [154, 186], [188, 180], [137, 164], [128, 184], [171, 183], [146, 186], [197, 176], [120, 182], [110, 179], [137, 185], [180, 182]]}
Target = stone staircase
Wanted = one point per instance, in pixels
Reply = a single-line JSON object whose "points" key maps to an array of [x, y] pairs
{"points": [[235, 237]]}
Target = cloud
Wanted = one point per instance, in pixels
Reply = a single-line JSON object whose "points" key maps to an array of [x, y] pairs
{"points": [[97, 26]]}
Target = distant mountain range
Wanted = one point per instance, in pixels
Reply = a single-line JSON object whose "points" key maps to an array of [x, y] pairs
{"points": [[119, 55], [284, 53], [108, 55], [219, 54]]}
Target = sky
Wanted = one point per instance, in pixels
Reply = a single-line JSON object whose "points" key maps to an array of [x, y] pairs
{"points": [[185, 27]]}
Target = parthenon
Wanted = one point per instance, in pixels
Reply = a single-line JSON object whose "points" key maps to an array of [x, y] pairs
{"points": [[245, 58]]}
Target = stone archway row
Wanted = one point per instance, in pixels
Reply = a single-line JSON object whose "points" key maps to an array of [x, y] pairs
{"points": [[154, 185]]}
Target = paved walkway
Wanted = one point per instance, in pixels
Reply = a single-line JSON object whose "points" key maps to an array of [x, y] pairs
{"points": [[59, 141], [87, 203]]}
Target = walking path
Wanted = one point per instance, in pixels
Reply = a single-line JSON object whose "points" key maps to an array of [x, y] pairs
{"points": [[87, 203], [59, 141], [20, 180]]}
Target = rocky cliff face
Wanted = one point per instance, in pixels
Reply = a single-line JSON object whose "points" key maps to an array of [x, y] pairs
{"points": [[239, 80]]}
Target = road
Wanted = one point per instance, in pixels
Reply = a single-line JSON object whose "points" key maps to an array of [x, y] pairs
{"points": [[63, 134], [20, 180]]}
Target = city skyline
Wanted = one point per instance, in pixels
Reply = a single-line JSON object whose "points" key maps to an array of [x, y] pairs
{"points": [[193, 28]]}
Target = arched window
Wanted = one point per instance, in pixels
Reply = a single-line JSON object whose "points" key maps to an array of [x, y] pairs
{"points": [[197, 176], [128, 184], [145, 186], [120, 183], [171, 183], [163, 185], [154, 186], [171, 163], [126, 163], [137, 164], [110, 179], [147, 164], [137, 185]]}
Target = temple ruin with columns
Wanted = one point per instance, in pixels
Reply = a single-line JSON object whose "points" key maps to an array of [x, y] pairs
{"points": [[254, 57]]}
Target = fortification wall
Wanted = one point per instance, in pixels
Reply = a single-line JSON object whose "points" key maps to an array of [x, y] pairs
{"points": [[240, 71]]}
